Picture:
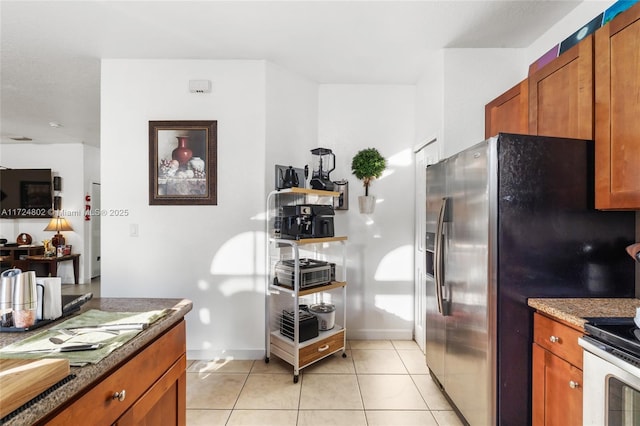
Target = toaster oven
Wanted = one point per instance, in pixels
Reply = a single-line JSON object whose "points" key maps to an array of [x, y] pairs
{"points": [[312, 273]]}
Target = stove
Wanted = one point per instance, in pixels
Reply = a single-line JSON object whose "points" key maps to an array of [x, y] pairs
{"points": [[616, 334], [611, 372]]}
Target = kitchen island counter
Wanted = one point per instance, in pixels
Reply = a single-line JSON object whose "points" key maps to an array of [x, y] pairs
{"points": [[574, 310], [87, 377]]}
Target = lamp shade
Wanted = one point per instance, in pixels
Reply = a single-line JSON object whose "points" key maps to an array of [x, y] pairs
{"points": [[58, 224]]}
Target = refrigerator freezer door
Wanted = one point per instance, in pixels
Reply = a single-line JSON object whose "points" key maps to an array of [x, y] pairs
{"points": [[467, 361]]}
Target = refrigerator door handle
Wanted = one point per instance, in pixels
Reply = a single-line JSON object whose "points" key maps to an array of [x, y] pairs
{"points": [[439, 257]]}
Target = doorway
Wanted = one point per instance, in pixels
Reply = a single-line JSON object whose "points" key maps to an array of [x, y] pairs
{"points": [[95, 230]]}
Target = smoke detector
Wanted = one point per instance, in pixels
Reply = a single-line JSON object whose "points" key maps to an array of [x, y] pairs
{"points": [[200, 86]]}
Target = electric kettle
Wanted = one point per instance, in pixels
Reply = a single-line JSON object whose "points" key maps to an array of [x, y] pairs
{"points": [[290, 178]]}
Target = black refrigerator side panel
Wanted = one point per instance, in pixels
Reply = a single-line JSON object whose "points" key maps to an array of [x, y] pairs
{"points": [[551, 243]]}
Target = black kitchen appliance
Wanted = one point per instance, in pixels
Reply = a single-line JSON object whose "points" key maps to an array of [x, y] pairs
{"points": [[312, 273], [289, 178], [324, 162], [308, 325], [307, 221]]}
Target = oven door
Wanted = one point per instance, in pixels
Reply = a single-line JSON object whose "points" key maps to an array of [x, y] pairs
{"points": [[611, 393]]}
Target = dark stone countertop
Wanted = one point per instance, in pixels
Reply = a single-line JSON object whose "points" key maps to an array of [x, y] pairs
{"points": [[575, 310], [86, 376]]}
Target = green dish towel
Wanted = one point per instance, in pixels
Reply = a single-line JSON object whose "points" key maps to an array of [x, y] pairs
{"points": [[94, 317]]}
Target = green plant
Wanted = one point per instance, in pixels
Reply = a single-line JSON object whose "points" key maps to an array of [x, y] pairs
{"points": [[367, 165]]}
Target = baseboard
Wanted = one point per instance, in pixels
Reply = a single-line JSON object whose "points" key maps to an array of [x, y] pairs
{"points": [[379, 334], [239, 354], [253, 354]]}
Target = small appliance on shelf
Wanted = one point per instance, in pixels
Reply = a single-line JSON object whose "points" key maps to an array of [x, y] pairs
{"points": [[312, 273], [307, 323], [307, 221], [324, 162]]}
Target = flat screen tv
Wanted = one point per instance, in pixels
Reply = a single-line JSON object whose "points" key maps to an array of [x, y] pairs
{"points": [[26, 193]]}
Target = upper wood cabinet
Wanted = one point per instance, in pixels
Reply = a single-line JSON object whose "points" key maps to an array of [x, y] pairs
{"points": [[617, 112], [561, 94], [509, 112]]}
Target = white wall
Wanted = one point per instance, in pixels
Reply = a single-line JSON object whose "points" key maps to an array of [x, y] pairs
{"points": [[380, 248], [430, 102], [67, 161], [291, 120], [578, 17], [213, 255], [453, 90], [472, 78]]}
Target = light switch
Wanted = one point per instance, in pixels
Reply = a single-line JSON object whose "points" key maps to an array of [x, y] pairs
{"points": [[133, 230]]}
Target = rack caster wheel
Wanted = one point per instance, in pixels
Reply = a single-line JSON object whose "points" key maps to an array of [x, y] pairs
{"points": [[266, 360], [344, 355], [295, 378]]}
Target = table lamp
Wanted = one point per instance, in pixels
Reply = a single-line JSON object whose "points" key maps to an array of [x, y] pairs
{"points": [[58, 224]]}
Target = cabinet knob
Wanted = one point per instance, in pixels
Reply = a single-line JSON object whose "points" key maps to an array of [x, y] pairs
{"points": [[554, 339], [573, 385], [120, 396], [323, 348]]}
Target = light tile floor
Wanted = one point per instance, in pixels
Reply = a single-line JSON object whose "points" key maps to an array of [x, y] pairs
{"points": [[380, 383]]}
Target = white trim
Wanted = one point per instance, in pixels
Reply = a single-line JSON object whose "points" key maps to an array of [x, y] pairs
{"points": [[241, 354]]}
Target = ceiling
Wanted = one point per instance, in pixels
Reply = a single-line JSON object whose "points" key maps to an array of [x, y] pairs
{"points": [[51, 50]]}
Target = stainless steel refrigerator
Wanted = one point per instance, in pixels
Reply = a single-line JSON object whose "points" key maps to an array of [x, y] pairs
{"points": [[508, 219]]}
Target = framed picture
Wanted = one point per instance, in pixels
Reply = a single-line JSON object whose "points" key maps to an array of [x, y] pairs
{"points": [[183, 163]]}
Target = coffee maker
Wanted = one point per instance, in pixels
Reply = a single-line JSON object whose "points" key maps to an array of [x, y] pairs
{"points": [[307, 221], [324, 162]]}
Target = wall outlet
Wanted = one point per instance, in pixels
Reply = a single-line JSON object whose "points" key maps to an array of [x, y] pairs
{"points": [[133, 230]]}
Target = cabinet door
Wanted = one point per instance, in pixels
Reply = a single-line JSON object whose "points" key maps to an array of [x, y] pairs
{"points": [[164, 403], [143, 375], [537, 386], [557, 390], [617, 111], [509, 112], [561, 95]]}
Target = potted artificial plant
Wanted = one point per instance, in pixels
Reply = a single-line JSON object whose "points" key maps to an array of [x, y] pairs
{"points": [[367, 165]]}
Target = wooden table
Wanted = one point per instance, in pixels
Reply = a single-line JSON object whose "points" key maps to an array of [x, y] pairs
{"points": [[14, 256], [52, 263]]}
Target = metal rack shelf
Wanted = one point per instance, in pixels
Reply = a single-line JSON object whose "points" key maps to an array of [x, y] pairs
{"points": [[291, 350]]}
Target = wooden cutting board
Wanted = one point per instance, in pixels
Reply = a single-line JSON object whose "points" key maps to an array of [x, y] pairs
{"points": [[23, 379]]}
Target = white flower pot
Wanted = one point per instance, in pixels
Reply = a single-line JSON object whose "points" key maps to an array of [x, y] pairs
{"points": [[367, 203]]}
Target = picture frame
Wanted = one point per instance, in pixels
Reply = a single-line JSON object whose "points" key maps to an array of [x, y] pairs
{"points": [[183, 163]]}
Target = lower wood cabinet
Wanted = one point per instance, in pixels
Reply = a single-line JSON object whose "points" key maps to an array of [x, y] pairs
{"points": [[149, 389], [557, 374]]}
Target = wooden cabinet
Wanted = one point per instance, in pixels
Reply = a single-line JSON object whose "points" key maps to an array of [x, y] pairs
{"points": [[557, 374], [617, 113], [561, 95], [149, 389], [509, 112]]}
